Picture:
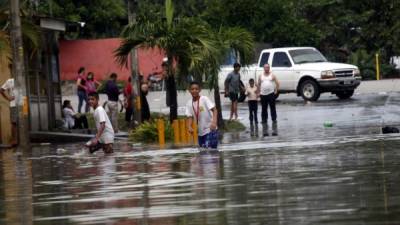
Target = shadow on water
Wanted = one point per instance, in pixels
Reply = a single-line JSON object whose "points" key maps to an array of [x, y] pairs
{"points": [[337, 182]]}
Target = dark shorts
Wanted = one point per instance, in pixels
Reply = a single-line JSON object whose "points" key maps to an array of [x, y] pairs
{"points": [[13, 115], [209, 140], [233, 96]]}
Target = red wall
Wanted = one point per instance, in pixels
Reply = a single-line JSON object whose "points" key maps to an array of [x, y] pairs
{"points": [[97, 56]]}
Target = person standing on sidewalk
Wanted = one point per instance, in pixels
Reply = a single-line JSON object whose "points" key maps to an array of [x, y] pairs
{"points": [[252, 96], [91, 83], [268, 87], [8, 92], [113, 92], [145, 109], [232, 89], [81, 88], [128, 99]]}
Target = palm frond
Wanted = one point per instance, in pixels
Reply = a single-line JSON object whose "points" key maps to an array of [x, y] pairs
{"points": [[5, 48], [169, 13], [240, 40], [30, 33], [122, 52]]}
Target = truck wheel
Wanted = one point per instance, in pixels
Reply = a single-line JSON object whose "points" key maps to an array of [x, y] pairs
{"points": [[309, 90], [345, 94]]}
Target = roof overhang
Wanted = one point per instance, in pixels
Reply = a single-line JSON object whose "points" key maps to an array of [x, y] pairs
{"points": [[52, 24]]}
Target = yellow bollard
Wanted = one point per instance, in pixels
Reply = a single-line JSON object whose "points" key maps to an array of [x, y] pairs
{"points": [[161, 132], [183, 130], [195, 133], [377, 66], [175, 126], [25, 106]]}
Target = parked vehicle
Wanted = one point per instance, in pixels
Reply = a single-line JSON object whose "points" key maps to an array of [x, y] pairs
{"points": [[303, 70]]}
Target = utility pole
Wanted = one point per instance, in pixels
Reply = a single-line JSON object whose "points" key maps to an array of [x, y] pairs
{"points": [[132, 6], [18, 72]]}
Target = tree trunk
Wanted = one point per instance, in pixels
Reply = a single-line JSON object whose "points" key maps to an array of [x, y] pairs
{"points": [[217, 99], [173, 107], [172, 94], [134, 68], [19, 74]]}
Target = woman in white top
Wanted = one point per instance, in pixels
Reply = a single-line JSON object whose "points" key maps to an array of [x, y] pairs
{"points": [[268, 89], [72, 119]]}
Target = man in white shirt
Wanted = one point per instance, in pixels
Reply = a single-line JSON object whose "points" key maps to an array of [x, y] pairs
{"points": [[204, 113], [105, 134], [8, 92]]}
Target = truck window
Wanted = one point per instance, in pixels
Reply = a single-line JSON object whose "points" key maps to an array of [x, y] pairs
{"points": [[281, 60], [264, 59]]}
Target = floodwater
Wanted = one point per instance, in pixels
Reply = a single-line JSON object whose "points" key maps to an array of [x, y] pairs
{"points": [[351, 180], [307, 174]]}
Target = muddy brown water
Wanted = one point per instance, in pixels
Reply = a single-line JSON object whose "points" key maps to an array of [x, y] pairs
{"points": [[348, 180]]}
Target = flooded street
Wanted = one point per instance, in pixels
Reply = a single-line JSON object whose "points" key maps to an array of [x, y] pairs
{"points": [[308, 174]]}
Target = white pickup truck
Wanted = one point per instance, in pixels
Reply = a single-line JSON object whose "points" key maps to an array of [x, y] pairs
{"points": [[303, 70]]}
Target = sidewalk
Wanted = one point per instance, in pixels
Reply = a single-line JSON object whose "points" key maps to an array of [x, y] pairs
{"points": [[157, 99]]}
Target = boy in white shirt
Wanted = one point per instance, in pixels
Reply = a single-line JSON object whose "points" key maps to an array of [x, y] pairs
{"points": [[204, 113], [105, 134], [251, 92]]}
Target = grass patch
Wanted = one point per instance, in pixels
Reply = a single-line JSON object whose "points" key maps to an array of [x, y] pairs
{"points": [[233, 126]]}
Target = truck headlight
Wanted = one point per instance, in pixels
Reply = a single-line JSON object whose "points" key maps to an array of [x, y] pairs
{"points": [[327, 74], [356, 73]]}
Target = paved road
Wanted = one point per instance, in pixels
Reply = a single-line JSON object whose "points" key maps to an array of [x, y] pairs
{"points": [[157, 99]]}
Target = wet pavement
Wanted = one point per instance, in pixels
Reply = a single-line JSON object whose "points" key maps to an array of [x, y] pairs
{"points": [[307, 174]]}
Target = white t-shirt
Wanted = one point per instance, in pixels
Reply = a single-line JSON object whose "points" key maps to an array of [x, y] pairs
{"points": [[100, 116], [267, 84], [251, 93], [201, 111], [9, 86], [69, 117]]}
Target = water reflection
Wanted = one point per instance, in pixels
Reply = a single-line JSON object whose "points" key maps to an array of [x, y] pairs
{"points": [[15, 188], [352, 182]]}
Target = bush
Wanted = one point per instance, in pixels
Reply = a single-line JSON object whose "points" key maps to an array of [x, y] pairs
{"points": [[366, 63], [147, 132]]}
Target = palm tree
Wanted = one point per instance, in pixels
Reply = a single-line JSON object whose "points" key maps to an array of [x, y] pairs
{"points": [[185, 41], [242, 43], [30, 31]]}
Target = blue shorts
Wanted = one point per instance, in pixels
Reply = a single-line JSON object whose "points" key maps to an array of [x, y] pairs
{"points": [[209, 140]]}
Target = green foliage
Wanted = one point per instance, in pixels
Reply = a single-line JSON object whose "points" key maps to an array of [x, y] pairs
{"points": [[233, 126], [30, 31], [365, 62], [147, 132], [102, 18]]}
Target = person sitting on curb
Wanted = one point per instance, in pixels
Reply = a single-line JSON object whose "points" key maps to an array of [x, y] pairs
{"points": [[105, 133], [72, 119]]}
